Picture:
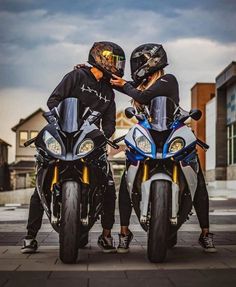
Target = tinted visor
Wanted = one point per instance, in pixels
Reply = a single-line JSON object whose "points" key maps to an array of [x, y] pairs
{"points": [[137, 61], [69, 115], [161, 113]]}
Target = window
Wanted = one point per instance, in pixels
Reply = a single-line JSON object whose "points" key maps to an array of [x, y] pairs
{"points": [[33, 134], [231, 143], [23, 138]]}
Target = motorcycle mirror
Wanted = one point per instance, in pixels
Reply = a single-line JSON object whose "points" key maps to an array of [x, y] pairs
{"points": [[195, 114], [129, 112]]}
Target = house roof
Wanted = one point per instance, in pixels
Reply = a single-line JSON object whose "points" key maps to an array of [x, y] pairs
{"points": [[3, 142], [22, 121], [23, 164]]}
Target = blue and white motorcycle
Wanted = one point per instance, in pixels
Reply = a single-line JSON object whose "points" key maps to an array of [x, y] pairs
{"points": [[162, 172]]}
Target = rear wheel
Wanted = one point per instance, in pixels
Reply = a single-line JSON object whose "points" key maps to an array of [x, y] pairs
{"points": [[70, 222], [159, 222]]}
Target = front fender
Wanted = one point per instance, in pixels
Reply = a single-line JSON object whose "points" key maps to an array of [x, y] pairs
{"points": [[145, 190]]}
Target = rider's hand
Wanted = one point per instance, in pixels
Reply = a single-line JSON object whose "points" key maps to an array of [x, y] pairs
{"points": [[78, 66], [117, 81]]}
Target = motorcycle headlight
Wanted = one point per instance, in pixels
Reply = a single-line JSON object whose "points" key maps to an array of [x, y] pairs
{"points": [[176, 145], [142, 142], [85, 147], [51, 143]]}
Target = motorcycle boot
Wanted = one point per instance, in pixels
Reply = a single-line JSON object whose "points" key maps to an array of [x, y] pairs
{"points": [[106, 244], [124, 242], [30, 245], [206, 241]]}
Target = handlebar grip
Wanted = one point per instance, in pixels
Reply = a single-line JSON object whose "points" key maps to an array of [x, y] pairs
{"points": [[119, 139], [112, 144], [29, 142], [202, 144]]}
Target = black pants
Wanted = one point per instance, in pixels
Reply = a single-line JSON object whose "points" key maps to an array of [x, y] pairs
{"points": [[201, 202], [107, 219]]}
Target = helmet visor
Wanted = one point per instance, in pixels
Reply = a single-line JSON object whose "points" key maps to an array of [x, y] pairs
{"points": [[113, 62], [137, 61]]}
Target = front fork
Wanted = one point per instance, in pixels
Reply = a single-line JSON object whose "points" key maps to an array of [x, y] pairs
{"points": [[55, 199], [146, 187], [85, 187], [55, 217], [175, 196]]}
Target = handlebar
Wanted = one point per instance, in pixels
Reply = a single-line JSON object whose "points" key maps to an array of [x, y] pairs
{"points": [[29, 142], [202, 145], [114, 143]]}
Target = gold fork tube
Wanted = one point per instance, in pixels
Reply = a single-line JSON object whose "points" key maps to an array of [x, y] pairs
{"points": [[55, 176], [85, 174], [175, 173], [145, 172]]}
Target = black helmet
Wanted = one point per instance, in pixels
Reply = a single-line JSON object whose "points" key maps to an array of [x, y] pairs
{"points": [[147, 59], [108, 57]]}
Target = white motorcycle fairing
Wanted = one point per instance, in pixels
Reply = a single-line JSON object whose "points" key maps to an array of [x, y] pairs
{"points": [[145, 191]]}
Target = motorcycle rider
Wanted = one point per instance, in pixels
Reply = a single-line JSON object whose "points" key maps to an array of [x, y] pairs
{"points": [[147, 70], [91, 86]]}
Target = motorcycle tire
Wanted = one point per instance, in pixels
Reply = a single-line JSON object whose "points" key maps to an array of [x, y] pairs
{"points": [[158, 233], [70, 222]]}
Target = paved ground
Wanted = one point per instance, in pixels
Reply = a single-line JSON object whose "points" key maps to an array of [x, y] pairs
{"points": [[186, 264]]}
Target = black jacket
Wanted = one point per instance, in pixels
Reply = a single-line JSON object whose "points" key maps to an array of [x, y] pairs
{"points": [[166, 86], [97, 95]]}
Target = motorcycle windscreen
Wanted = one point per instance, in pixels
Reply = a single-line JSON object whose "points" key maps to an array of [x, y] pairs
{"points": [[162, 113], [69, 115]]}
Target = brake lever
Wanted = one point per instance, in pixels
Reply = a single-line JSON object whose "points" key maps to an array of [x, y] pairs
{"points": [[112, 144], [203, 145], [116, 141]]}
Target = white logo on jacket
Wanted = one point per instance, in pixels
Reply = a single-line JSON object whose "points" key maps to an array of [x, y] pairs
{"points": [[99, 95]]}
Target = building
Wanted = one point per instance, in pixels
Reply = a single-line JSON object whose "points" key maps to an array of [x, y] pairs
{"points": [[4, 168], [201, 93], [23, 169], [225, 137], [219, 113]]}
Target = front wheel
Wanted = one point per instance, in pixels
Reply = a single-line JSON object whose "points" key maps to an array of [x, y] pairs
{"points": [[159, 223], [70, 222]]}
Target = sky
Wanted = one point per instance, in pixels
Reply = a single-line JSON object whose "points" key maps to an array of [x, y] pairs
{"points": [[41, 40]]}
